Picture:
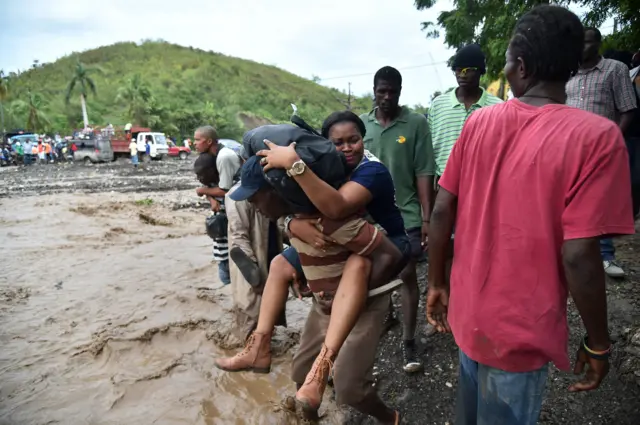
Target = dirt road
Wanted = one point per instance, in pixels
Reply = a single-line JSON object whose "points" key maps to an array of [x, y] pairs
{"points": [[111, 313]]}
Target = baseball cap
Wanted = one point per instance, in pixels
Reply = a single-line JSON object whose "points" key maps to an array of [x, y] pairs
{"points": [[252, 179]]}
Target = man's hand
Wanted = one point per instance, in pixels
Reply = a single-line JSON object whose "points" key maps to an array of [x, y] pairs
{"points": [[306, 230], [425, 235], [437, 307], [299, 289], [215, 205], [201, 191], [593, 376]]}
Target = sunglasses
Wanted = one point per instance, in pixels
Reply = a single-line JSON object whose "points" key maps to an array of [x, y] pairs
{"points": [[463, 71]]}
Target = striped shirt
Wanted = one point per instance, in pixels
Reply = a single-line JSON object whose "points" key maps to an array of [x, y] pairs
{"points": [[323, 268], [446, 118], [605, 89]]}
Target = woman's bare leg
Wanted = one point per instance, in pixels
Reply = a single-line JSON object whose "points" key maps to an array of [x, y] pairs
{"points": [[256, 356], [275, 294], [348, 304], [349, 301]]}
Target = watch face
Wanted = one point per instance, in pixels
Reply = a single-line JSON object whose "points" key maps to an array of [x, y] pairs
{"points": [[298, 167]]}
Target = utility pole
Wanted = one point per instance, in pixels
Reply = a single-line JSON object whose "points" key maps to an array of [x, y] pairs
{"points": [[346, 103]]}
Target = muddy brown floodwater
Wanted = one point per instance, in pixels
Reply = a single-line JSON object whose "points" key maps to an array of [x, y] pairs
{"points": [[111, 313]]}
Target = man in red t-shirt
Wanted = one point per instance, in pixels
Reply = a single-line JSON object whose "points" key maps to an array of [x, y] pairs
{"points": [[525, 186]]}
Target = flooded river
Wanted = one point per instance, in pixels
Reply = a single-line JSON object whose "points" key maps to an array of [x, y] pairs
{"points": [[111, 313]]}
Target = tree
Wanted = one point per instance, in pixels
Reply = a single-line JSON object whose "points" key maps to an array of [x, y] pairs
{"points": [[85, 83], [491, 22], [4, 92], [137, 96], [37, 120]]}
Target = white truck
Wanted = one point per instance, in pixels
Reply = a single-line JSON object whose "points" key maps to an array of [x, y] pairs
{"points": [[159, 148]]}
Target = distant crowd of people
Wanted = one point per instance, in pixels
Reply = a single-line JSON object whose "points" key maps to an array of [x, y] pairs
{"points": [[37, 150], [515, 202]]}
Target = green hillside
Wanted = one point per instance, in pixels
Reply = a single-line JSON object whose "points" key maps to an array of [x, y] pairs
{"points": [[175, 89]]}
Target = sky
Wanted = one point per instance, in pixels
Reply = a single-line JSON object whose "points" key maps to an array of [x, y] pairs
{"points": [[340, 41]]}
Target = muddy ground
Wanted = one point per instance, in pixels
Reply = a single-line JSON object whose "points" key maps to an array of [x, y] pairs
{"points": [[127, 332]]}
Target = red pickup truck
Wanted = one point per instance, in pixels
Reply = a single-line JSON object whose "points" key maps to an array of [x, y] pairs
{"points": [[181, 152]]}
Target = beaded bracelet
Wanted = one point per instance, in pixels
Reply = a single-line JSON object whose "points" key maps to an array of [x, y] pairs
{"points": [[594, 354]]}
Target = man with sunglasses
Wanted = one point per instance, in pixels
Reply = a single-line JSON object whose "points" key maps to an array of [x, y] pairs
{"points": [[449, 111]]}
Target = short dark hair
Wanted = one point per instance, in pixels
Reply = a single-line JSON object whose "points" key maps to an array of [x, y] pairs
{"points": [[206, 169], [388, 74], [340, 117], [596, 31], [208, 131], [550, 40]]}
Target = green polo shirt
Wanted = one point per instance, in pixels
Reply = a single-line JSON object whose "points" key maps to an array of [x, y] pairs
{"points": [[405, 148], [446, 118]]}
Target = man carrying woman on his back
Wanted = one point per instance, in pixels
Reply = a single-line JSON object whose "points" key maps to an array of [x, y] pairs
{"points": [[344, 326]]}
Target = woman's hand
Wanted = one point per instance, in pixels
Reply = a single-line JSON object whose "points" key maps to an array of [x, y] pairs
{"points": [[278, 156], [306, 230]]}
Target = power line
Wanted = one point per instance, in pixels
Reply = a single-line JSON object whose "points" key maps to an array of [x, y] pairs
{"points": [[371, 73]]}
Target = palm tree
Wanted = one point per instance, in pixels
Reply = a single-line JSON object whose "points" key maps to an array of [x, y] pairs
{"points": [[138, 97], [37, 120], [82, 79]]}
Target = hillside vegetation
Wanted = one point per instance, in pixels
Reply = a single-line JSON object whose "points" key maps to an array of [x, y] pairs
{"points": [[166, 86]]}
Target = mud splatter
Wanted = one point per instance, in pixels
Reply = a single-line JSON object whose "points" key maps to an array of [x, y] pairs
{"points": [[103, 337], [13, 295], [146, 218]]}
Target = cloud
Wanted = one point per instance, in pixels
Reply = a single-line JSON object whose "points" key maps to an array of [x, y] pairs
{"points": [[326, 38]]}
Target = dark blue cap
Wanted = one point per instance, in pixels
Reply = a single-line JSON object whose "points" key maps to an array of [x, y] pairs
{"points": [[252, 179]]}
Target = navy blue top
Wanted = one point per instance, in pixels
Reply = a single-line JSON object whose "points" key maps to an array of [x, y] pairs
{"points": [[375, 177]]}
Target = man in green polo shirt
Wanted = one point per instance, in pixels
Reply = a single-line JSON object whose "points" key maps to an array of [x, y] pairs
{"points": [[400, 139], [449, 111]]}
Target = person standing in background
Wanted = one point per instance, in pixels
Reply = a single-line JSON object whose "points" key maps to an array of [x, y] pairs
{"points": [[227, 164], [133, 150], [400, 139], [603, 86], [449, 111]]}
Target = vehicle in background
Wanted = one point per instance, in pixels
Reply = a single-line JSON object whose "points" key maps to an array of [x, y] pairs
{"points": [[181, 152], [120, 142], [92, 150], [234, 146], [22, 138]]}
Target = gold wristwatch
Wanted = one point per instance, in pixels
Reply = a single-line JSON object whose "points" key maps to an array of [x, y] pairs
{"points": [[297, 168]]}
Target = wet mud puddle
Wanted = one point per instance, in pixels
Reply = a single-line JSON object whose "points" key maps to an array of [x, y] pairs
{"points": [[107, 317]]}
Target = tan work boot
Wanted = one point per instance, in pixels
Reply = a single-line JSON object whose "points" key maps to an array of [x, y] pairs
{"points": [[256, 356], [309, 396]]}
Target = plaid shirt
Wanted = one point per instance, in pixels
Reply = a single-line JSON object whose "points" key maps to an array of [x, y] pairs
{"points": [[605, 89]]}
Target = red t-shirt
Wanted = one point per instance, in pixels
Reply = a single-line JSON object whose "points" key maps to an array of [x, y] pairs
{"points": [[528, 178]]}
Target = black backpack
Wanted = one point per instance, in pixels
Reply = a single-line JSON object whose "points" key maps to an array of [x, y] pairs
{"points": [[318, 153]]}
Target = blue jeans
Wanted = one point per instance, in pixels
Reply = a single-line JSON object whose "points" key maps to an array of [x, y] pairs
{"points": [[223, 272], [489, 396], [607, 250]]}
